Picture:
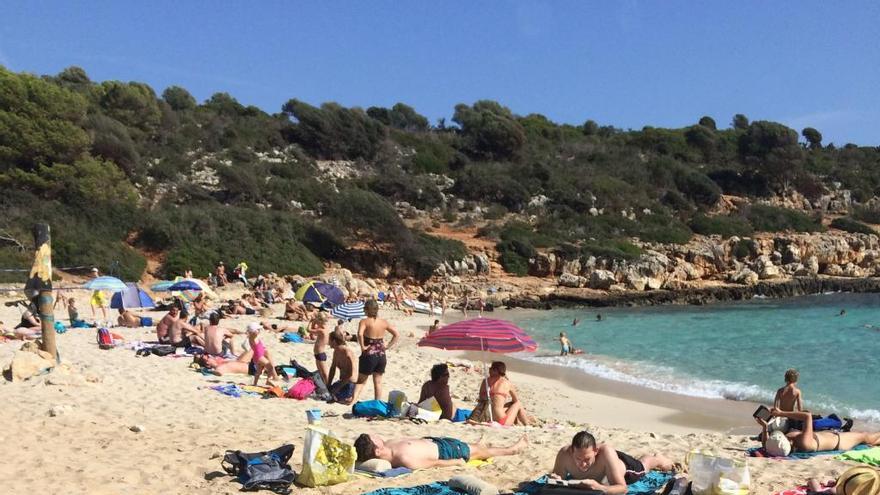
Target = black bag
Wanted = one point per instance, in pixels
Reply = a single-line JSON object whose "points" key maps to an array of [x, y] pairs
{"points": [[269, 470], [162, 350]]}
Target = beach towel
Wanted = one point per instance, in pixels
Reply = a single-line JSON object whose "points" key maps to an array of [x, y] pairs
{"points": [[652, 479], [863, 454], [292, 337], [794, 456], [233, 390], [802, 490], [270, 470]]}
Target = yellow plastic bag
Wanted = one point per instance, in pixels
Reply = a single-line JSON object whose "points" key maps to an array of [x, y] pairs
{"points": [[712, 474], [326, 459]]}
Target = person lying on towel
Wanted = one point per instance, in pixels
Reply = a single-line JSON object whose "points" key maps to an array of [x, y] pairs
{"points": [[428, 452], [780, 445], [601, 467]]}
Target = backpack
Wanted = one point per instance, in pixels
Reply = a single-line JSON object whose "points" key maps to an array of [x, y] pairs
{"points": [[269, 470], [371, 409], [105, 340], [162, 350], [301, 389]]}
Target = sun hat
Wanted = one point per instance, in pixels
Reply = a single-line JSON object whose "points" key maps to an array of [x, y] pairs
{"points": [[777, 445], [859, 480]]}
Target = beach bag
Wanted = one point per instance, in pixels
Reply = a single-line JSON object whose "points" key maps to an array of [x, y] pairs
{"points": [[326, 459], [261, 470], [105, 340], [162, 350], [711, 474], [859, 480], [480, 413], [301, 389], [371, 409], [59, 327], [397, 399], [461, 415], [146, 321]]}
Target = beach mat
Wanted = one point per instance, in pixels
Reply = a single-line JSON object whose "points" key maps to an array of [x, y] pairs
{"points": [[865, 455], [647, 485], [794, 456]]}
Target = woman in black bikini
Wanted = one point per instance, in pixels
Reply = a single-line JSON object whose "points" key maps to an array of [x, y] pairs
{"points": [[371, 337], [815, 441]]}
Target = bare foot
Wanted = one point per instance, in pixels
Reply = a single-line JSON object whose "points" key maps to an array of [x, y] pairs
{"points": [[521, 445]]}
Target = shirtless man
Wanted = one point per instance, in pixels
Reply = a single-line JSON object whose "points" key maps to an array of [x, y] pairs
{"points": [[128, 319], [592, 463], [438, 388], [318, 330], [421, 453], [810, 440], [371, 338], [344, 361], [218, 341], [171, 329]]}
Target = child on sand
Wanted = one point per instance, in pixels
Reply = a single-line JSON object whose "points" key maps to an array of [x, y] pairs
{"points": [[261, 359], [72, 312]]}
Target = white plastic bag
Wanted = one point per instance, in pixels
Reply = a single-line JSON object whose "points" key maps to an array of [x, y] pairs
{"points": [[326, 459], [712, 474]]}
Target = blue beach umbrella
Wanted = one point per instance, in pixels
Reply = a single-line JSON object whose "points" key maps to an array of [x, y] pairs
{"points": [[349, 311], [105, 283], [163, 286], [185, 285]]}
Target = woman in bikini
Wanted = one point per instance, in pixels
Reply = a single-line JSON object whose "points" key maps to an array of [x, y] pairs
{"points": [[506, 407], [810, 440], [371, 337]]}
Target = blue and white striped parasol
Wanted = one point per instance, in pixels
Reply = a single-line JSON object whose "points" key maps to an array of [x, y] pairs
{"points": [[105, 283], [349, 311]]}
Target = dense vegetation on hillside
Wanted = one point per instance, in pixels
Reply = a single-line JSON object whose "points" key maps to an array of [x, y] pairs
{"points": [[114, 167]]}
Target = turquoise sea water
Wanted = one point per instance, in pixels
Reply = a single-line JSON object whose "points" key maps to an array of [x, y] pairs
{"points": [[733, 351]]}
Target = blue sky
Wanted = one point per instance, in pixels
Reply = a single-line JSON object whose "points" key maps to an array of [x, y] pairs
{"points": [[624, 63]]}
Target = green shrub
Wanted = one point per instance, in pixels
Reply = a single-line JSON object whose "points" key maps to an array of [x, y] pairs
{"points": [[767, 218], [723, 225], [514, 263], [742, 249], [495, 212], [852, 225], [663, 229], [866, 214], [611, 249]]}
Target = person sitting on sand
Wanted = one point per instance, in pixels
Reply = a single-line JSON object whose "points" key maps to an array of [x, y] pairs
{"points": [[429, 452], [318, 330], [29, 320], [220, 274], [433, 327], [594, 463], [371, 338], [438, 389], [344, 361], [297, 311], [501, 397], [261, 359], [172, 329], [20, 333], [72, 312], [217, 341], [810, 440], [128, 319]]}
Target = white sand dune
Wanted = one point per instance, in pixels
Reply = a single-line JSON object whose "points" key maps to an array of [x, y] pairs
{"points": [[97, 396]]}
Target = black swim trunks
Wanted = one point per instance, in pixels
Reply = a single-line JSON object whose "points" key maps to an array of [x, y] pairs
{"points": [[634, 467], [372, 360]]}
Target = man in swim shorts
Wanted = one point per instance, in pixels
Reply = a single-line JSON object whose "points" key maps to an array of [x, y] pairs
{"points": [[592, 463], [345, 362], [428, 452]]}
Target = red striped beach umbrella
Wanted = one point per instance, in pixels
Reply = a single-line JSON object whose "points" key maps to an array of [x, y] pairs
{"points": [[480, 334]]}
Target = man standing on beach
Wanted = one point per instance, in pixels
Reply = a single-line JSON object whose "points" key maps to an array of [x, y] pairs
{"points": [[585, 460]]}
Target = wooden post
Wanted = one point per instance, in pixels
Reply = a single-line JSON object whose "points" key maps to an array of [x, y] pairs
{"points": [[39, 286]]}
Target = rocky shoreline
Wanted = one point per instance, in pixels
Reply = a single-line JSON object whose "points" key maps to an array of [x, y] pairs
{"points": [[795, 287]]}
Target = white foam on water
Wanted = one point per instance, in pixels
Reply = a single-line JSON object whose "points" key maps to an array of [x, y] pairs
{"points": [[668, 380]]}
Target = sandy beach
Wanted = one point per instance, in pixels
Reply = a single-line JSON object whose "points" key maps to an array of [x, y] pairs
{"points": [[71, 431]]}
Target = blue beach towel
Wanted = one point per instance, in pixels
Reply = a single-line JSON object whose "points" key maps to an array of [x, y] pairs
{"points": [[233, 390], [794, 456], [649, 483], [292, 337]]}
